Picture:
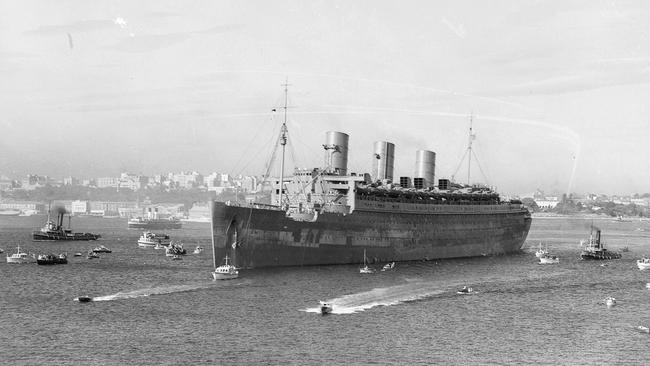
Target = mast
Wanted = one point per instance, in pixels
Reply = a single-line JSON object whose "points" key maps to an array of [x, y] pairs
{"points": [[468, 153], [469, 147], [283, 141]]}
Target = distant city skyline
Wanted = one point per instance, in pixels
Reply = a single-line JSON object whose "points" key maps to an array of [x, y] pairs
{"points": [[558, 91]]}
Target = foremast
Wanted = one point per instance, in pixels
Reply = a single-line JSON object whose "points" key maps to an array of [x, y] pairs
{"points": [[283, 141]]}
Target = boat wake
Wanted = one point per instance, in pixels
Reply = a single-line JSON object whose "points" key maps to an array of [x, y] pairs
{"points": [[385, 296], [162, 290]]}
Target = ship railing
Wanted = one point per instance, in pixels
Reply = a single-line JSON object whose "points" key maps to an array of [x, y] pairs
{"points": [[265, 206]]}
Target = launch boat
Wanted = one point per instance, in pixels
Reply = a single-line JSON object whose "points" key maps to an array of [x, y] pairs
{"points": [[55, 231], [150, 240], [21, 257], [226, 271], [325, 308], [643, 263], [549, 259], [49, 259], [331, 216]]}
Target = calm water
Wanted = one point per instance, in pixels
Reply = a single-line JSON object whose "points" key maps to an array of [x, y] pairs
{"points": [[156, 311]]}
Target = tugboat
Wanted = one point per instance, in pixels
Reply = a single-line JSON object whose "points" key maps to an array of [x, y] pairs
{"points": [[594, 249], [54, 231], [47, 259]]}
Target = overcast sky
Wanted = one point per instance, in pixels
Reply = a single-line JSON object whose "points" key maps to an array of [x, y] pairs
{"points": [[559, 90]]}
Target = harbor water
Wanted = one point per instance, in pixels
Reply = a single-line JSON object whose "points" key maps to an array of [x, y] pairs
{"points": [[150, 310]]}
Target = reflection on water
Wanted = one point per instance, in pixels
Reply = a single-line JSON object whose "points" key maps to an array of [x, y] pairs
{"points": [[160, 311]]}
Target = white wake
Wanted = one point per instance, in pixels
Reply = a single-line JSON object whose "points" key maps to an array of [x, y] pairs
{"points": [[161, 290], [384, 296]]}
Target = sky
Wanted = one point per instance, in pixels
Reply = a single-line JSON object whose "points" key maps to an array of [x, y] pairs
{"points": [[557, 91]]}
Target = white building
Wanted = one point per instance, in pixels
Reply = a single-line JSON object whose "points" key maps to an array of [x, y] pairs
{"points": [[79, 207], [186, 180], [107, 182], [549, 202]]}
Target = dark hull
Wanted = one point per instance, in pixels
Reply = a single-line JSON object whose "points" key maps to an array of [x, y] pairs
{"points": [[600, 255], [41, 236], [268, 238], [51, 261]]}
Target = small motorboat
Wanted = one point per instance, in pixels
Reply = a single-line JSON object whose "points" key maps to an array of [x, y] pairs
{"points": [[643, 263], [365, 269], [610, 301], [549, 259], [101, 249], [465, 290], [84, 299], [388, 266], [643, 329], [225, 271], [175, 248], [325, 308], [541, 252], [21, 257], [198, 249], [78, 254]]}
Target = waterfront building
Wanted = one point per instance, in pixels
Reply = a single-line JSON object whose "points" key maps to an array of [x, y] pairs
{"points": [[79, 207]]}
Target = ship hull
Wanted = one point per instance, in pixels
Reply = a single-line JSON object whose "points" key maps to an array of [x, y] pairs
{"points": [[268, 238], [40, 236], [154, 225]]}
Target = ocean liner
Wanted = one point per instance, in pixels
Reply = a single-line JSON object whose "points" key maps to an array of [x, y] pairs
{"points": [[329, 216]]}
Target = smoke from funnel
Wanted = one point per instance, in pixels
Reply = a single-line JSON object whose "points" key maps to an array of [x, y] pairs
{"points": [[59, 210]]}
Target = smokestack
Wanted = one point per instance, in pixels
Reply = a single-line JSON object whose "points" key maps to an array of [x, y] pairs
{"points": [[383, 160], [60, 211], [425, 168], [336, 152]]}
